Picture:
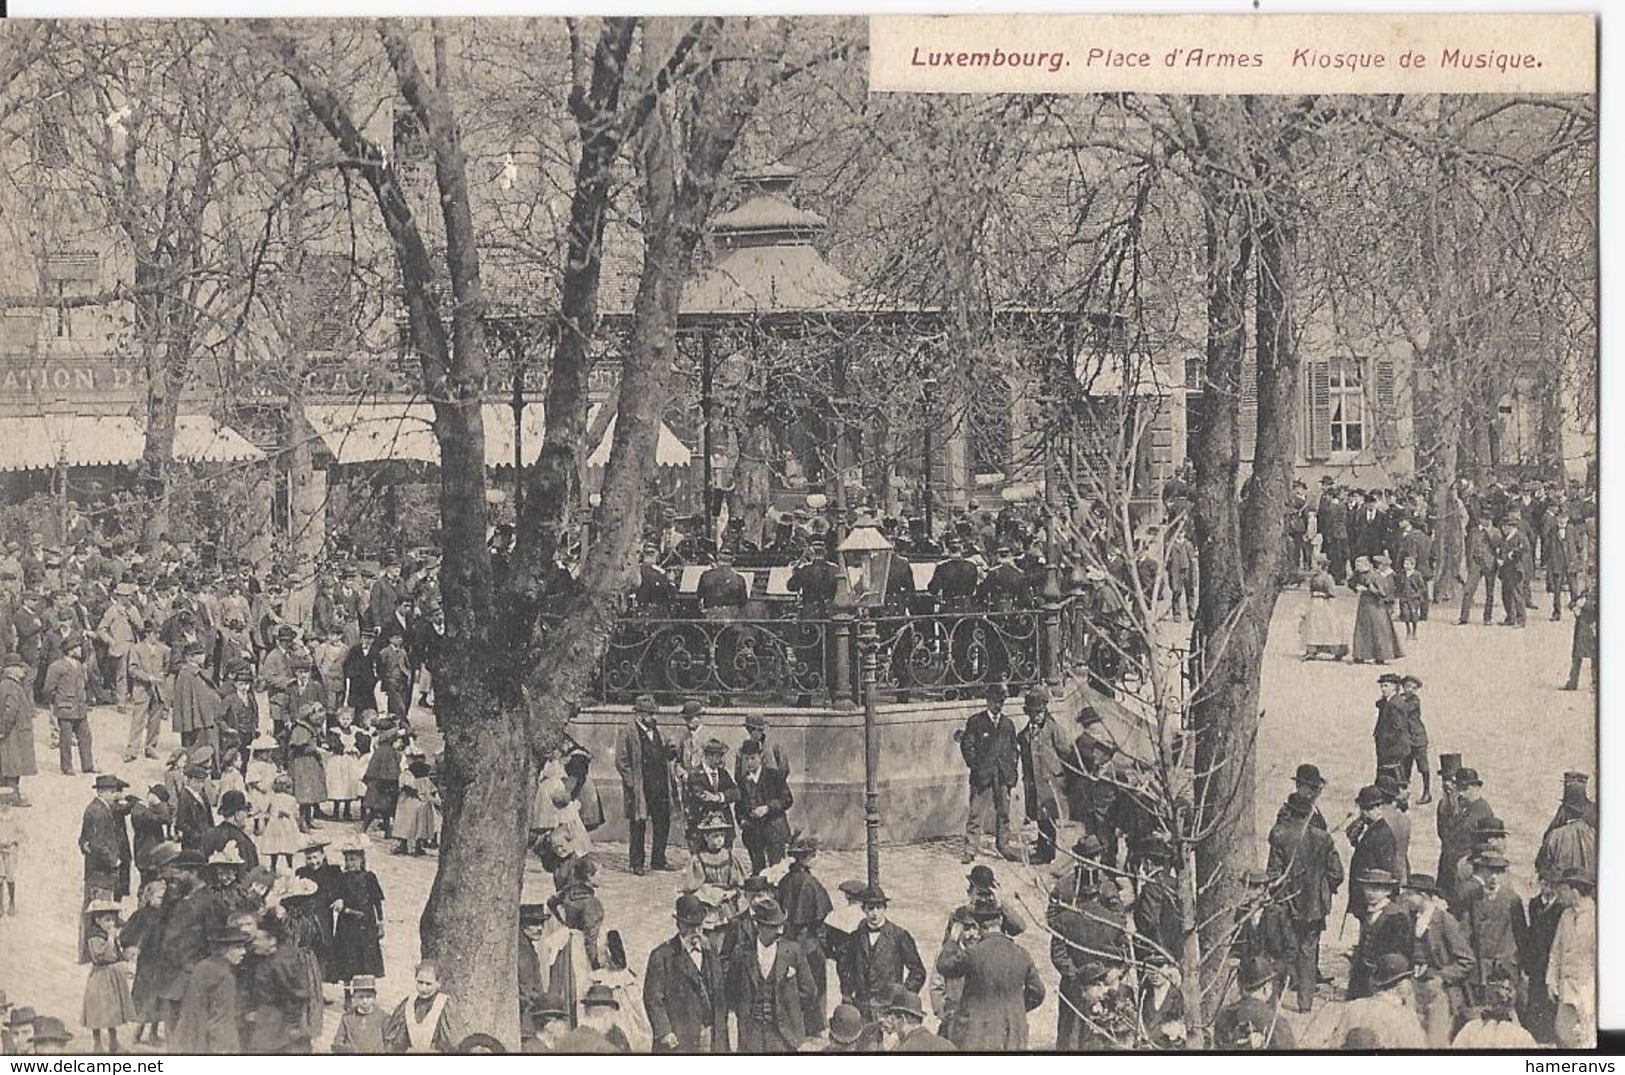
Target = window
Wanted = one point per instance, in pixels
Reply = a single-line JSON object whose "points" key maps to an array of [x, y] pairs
{"points": [[1348, 419]]}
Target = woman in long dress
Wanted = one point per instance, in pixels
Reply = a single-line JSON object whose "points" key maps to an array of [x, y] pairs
{"points": [[1374, 637], [1318, 631]]}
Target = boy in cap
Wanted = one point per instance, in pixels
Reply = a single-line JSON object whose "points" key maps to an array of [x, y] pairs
{"points": [[361, 1028]]}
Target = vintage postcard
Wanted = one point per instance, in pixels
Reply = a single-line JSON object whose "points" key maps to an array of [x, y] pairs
{"points": [[768, 535]]}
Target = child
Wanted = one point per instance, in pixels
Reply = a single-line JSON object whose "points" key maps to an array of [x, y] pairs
{"points": [[1412, 593], [415, 817], [383, 783], [395, 675], [107, 1003], [329, 658], [714, 874], [305, 762], [358, 922], [281, 835], [346, 744], [231, 774], [11, 839], [142, 928], [361, 1029], [427, 1022]]}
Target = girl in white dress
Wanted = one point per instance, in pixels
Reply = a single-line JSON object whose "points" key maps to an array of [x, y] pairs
{"points": [[280, 835], [344, 763]]}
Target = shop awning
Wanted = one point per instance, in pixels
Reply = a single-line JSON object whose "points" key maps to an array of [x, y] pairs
{"points": [[41, 442], [670, 451], [404, 432]]}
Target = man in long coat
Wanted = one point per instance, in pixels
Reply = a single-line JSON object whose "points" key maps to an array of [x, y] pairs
{"points": [[148, 668], [988, 745], [104, 842], [16, 727], [644, 763], [1043, 743], [196, 703], [1478, 563], [683, 988], [1001, 984], [1459, 814], [65, 689]]}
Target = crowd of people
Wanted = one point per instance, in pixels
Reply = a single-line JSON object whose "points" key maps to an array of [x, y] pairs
{"points": [[221, 913]]}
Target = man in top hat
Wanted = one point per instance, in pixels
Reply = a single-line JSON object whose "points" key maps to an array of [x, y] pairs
{"points": [[1576, 801], [806, 905], [1000, 983], [16, 727], [104, 842], [207, 1017], [1042, 743], [878, 956], [230, 830], [709, 792], [683, 988], [902, 1019], [769, 986], [1253, 1020], [66, 687], [148, 669], [1512, 565], [1459, 813], [1444, 960], [764, 799], [1386, 1011], [643, 760], [988, 745]]}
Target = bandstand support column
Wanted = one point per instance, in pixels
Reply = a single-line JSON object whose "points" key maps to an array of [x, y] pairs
{"points": [[868, 643], [840, 671]]}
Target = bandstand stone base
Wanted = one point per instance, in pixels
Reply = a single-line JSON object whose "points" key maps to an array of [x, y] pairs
{"points": [[923, 787]]}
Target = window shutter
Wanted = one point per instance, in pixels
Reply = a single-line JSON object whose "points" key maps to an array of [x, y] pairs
{"points": [[1318, 397], [1387, 408], [1248, 414]]}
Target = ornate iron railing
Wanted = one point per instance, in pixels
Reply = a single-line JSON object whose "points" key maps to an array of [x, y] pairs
{"points": [[957, 655], [781, 660]]}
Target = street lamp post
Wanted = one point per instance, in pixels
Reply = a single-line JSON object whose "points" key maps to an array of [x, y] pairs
{"points": [[926, 386], [868, 646], [867, 552]]}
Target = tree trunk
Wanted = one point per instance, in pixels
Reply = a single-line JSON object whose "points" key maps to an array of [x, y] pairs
{"points": [[489, 778]]}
